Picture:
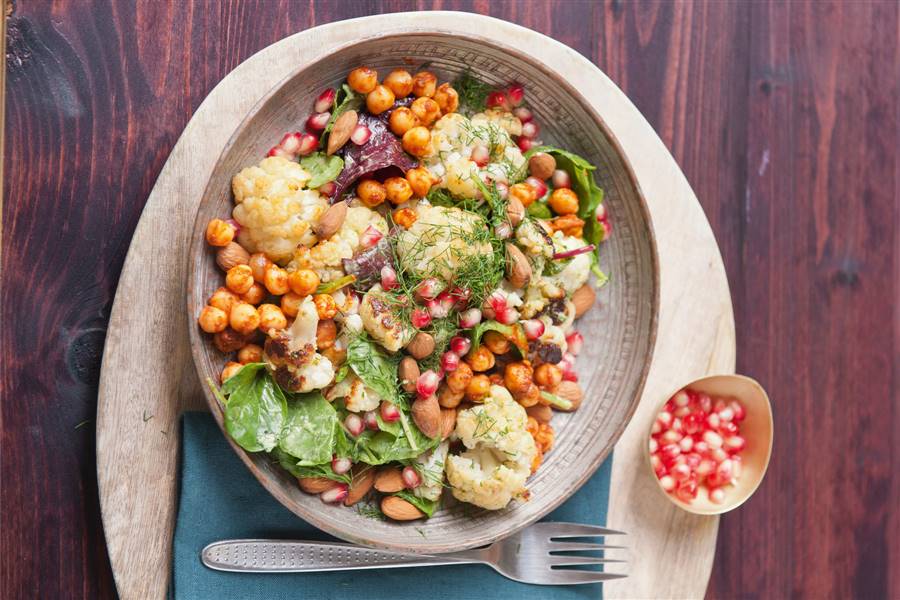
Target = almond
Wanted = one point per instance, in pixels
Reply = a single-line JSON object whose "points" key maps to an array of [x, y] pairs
{"points": [[421, 345], [515, 211], [426, 413], [541, 165], [232, 255], [571, 391], [399, 509], [360, 486], [331, 220], [448, 422], [341, 130], [408, 374], [541, 412], [389, 480], [315, 485], [518, 269], [583, 299]]}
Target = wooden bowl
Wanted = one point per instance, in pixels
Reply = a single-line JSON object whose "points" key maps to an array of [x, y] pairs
{"points": [[757, 429], [620, 330]]}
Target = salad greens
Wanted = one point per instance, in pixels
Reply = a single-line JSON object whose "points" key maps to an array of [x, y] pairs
{"points": [[345, 99], [323, 168], [310, 429], [256, 408], [472, 92], [424, 504]]}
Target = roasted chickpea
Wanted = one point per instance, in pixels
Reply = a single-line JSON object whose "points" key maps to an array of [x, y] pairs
{"points": [[523, 192], [379, 99], [362, 80], [271, 317], [517, 377], [303, 282], [426, 110], [569, 224], [417, 141], [254, 295], [478, 388], [326, 332], [219, 233], [536, 461], [326, 307], [290, 304], [400, 82], [405, 217], [530, 396], [337, 356], [239, 279], [251, 353], [424, 84], [547, 376], [458, 380], [231, 369], [244, 318], [398, 190], [212, 319], [259, 262], [420, 180], [402, 120], [371, 192], [224, 299], [496, 342], [276, 280], [496, 378], [447, 98], [229, 340], [480, 359], [543, 437], [448, 398], [564, 201]]}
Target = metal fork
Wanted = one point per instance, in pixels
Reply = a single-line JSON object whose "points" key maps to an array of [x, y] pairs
{"points": [[530, 556]]}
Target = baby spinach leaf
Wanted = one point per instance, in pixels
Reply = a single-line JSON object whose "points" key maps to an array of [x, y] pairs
{"points": [[323, 168], [344, 100], [289, 464], [424, 504], [309, 430], [377, 369], [255, 408]]}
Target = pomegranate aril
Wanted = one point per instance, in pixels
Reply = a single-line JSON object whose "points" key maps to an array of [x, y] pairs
{"points": [[717, 495], [480, 155], [655, 428], [701, 447], [469, 318], [728, 429], [420, 318], [340, 465], [686, 443], [719, 405], [705, 467], [525, 144], [534, 328], [335, 494], [681, 398], [538, 186], [497, 100], [692, 423], [516, 95], [502, 189], [428, 289], [739, 411], [290, 143], [530, 130], [388, 278], [574, 342], [705, 403], [325, 100], [670, 437], [735, 443], [680, 472], [670, 452], [664, 418], [370, 237], [718, 454], [682, 411], [654, 446], [354, 424], [692, 460], [600, 213], [318, 121], [308, 144], [687, 490], [279, 151], [411, 477], [561, 179], [723, 471], [328, 189], [371, 420], [389, 412], [713, 421], [437, 309], [449, 361], [503, 230], [507, 316], [360, 135], [658, 467], [427, 383], [713, 439], [667, 483], [736, 467], [460, 345]]}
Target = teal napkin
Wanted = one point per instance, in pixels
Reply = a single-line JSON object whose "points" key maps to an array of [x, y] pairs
{"points": [[221, 499]]}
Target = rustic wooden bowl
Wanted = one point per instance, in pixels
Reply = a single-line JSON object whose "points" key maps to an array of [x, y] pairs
{"points": [[620, 331]]}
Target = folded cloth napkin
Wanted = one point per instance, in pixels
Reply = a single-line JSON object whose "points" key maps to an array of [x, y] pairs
{"points": [[220, 499]]}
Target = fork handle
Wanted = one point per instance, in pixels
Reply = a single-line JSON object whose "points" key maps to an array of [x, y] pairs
{"points": [[284, 556]]}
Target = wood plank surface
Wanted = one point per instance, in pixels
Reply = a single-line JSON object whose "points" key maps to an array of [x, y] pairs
{"points": [[783, 115]]}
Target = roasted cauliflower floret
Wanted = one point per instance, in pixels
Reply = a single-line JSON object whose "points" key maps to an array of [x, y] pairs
{"points": [[291, 354], [274, 211], [326, 258], [380, 321], [357, 397], [576, 272], [493, 469], [439, 240], [501, 118], [431, 467]]}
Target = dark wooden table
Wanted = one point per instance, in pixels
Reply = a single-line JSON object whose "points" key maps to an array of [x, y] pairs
{"points": [[785, 117]]}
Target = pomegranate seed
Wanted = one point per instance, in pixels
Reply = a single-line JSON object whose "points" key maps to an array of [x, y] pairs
{"points": [[328, 189], [460, 297], [325, 100], [607, 229], [502, 189], [516, 95], [681, 398], [317, 121], [713, 439], [525, 144], [667, 483], [290, 143], [680, 472], [389, 412], [371, 420], [718, 454], [654, 445], [497, 300], [574, 341], [278, 151], [308, 144], [713, 480], [687, 491], [360, 135], [428, 289], [567, 364], [676, 425], [692, 460], [723, 471], [670, 452], [481, 156], [665, 418], [726, 414], [354, 424], [561, 179], [658, 467], [507, 316], [340, 465], [701, 447], [497, 100], [713, 421], [370, 237], [420, 318], [460, 345], [538, 185], [719, 405], [534, 328], [692, 423], [600, 213], [705, 403], [654, 429], [335, 494], [682, 411], [530, 130], [427, 383], [449, 361], [388, 277], [686, 443], [728, 428], [736, 467], [503, 230], [523, 114], [411, 477], [739, 411], [717, 495], [705, 467], [469, 318], [735, 443], [437, 309], [670, 437]]}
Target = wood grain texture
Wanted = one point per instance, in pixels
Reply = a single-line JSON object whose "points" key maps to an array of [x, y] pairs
{"points": [[783, 116]]}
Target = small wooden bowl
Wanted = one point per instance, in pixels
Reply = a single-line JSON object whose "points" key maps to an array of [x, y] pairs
{"points": [[757, 428]]}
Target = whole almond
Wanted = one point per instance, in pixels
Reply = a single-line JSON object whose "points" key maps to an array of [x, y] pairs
{"points": [[515, 211], [541, 412], [448, 422], [331, 220], [315, 485], [518, 269], [541, 165], [408, 373], [421, 345], [583, 299], [341, 130], [389, 480], [399, 509], [232, 255], [360, 486], [571, 391], [426, 413]]}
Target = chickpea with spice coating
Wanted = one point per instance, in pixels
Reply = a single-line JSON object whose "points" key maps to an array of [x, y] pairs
{"points": [[271, 317], [239, 279], [400, 82], [478, 388], [229, 340], [398, 190], [231, 369], [290, 304], [424, 84], [276, 280], [447, 98], [224, 299], [326, 332], [219, 233], [522, 192], [420, 180], [458, 380], [564, 201], [402, 120], [244, 318], [517, 377], [379, 99], [496, 342], [362, 80], [427, 111], [480, 358], [417, 141], [251, 353], [212, 319], [404, 217], [254, 295], [529, 397], [547, 376], [303, 282], [371, 192], [448, 398], [326, 307], [259, 262]]}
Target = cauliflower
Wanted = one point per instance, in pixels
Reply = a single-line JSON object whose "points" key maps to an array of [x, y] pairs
{"points": [[501, 118], [498, 461], [432, 469], [326, 257], [576, 272], [439, 240], [274, 211], [291, 353], [381, 322], [534, 240], [357, 397]]}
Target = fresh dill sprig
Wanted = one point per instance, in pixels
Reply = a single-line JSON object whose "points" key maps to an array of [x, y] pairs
{"points": [[472, 92]]}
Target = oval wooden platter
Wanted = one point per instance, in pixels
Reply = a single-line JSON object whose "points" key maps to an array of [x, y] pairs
{"points": [[671, 552]]}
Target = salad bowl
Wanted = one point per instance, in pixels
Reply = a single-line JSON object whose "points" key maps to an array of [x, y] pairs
{"points": [[619, 332]]}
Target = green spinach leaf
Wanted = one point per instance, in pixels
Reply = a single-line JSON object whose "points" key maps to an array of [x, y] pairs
{"points": [[375, 368], [255, 408], [322, 168], [289, 464], [310, 429], [424, 504], [344, 100]]}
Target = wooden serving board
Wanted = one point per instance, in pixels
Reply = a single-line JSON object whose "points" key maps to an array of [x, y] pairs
{"points": [[148, 372]]}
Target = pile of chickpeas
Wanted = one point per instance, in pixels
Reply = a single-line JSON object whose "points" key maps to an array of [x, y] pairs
{"points": [[259, 296]]}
